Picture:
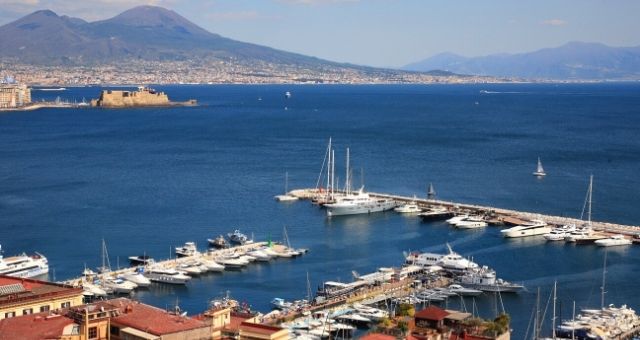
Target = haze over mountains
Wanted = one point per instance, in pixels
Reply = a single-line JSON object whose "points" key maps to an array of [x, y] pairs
{"points": [[150, 33], [574, 60]]}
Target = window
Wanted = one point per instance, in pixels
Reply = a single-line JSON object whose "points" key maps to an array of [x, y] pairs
{"points": [[65, 305], [44, 308], [27, 311], [9, 314], [93, 332], [115, 330]]}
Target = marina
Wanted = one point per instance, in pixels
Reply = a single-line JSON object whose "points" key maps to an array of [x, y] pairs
{"points": [[147, 185]]}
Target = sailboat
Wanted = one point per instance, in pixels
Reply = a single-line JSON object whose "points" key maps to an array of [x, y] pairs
{"points": [[431, 193], [106, 265], [585, 233], [287, 197], [539, 170]]}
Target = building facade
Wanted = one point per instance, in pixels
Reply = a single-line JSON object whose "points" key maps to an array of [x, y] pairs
{"points": [[14, 95]]}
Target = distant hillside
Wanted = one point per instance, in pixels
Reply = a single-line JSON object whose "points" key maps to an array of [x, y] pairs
{"points": [[575, 60], [145, 32]]}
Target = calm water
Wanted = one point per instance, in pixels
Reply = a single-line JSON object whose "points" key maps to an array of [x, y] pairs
{"points": [[147, 180]]}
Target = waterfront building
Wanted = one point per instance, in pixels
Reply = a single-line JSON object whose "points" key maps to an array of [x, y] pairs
{"points": [[14, 95], [22, 296], [255, 331], [434, 323]]}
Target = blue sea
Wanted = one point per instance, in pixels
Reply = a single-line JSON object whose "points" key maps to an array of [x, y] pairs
{"points": [[149, 179]]}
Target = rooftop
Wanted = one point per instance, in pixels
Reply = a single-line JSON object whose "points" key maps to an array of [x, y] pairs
{"points": [[35, 326], [432, 313], [31, 289], [148, 318]]}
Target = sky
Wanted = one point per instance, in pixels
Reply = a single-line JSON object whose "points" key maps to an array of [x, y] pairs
{"points": [[383, 33]]}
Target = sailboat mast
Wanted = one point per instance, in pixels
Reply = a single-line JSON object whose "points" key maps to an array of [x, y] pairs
{"points": [[333, 171], [604, 276], [536, 325], [286, 182], [347, 179], [553, 319], [590, 195]]}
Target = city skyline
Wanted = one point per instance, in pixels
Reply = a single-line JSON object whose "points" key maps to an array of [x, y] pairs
{"points": [[382, 33]]}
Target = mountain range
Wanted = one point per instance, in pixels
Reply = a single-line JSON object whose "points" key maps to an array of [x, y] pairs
{"points": [[574, 60], [144, 32]]}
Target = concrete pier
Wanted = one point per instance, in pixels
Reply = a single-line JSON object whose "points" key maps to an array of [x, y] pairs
{"points": [[499, 214]]}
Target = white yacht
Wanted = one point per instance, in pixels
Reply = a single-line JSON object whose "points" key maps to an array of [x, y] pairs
{"points": [[359, 203], [232, 262], [23, 265], [470, 224], [537, 228], [259, 255], [136, 277], [539, 169], [459, 290], [163, 275], [188, 249], [456, 219], [409, 208], [484, 279], [615, 240], [237, 237], [213, 266], [559, 233], [119, 286], [452, 261]]}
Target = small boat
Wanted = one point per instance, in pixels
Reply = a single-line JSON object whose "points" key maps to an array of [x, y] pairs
{"points": [[218, 242], [484, 279], [232, 262], [189, 269], [615, 240], [409, 208], [287, 94], [140, 260], [188, 249], [286, 197], [238, 237], [539, 170], [259, 255]]}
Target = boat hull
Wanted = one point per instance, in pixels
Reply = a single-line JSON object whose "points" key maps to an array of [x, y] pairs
{"points": [[338, 210]]}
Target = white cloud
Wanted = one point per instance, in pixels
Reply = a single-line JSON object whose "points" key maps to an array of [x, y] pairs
{"points": [[553, 22]]}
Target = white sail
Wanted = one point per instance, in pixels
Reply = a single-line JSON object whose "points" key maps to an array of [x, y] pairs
{"points": [[539, 170]]}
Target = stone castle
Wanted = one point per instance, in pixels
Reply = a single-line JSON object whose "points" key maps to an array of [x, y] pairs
{"points": [[143, 97]]}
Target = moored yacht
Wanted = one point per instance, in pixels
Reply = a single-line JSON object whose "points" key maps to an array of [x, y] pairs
{"points": [[188, 249], [218, 242], [163, 275], [359, 203], [537, 228], [436, 213], [140, 260], [614, 240], [458, 289], [237, 237], [484, 279], [23, 265], [137, 277], [559, 233], [452, 262], [409, 207]]}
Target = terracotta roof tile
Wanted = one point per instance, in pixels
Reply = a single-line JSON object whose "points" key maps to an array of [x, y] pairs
{"points": [[33, 326], [377, 336], [432, 313]]}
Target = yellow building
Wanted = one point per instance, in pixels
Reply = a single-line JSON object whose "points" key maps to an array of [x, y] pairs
{"points": [[20, 296], [14, 95], [143, 97]]}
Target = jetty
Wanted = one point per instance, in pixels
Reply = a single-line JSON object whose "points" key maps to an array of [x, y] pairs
{"points": [[497, 216], [176, 262]]}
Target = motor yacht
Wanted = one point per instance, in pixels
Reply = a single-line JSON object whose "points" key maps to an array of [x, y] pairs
{"points": [[218, 242], [24, 265], [409, 208], [559, 233], [615, 240], [188, 249], [435, 214], [140, 260], [471, 224], [484, 279], [237, 237], [119, 286], [455, 219], [458, 289], [163, 275], [537, 228], [136, 277], [213, 266], [359, 203]]}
